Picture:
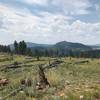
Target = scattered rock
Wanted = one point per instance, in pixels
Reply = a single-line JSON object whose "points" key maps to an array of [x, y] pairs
{"points": [[22, 92], [81, 97], [67, 82]]}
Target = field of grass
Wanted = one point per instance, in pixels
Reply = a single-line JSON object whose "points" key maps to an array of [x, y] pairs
{"points": [[74, 79]]}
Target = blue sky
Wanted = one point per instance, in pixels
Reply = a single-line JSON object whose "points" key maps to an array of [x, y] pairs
{"points": [[50, 21]]}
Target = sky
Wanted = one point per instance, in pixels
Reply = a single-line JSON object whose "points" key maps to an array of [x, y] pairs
{"points": [[50, 21]]}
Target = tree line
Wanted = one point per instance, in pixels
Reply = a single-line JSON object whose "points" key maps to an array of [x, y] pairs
{"points": [[22, 49], [4, 48], [65, 53]]}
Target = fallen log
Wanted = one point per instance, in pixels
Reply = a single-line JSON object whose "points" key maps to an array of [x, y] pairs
{"points": [[43, 82], [53, 64], [82, 62]]}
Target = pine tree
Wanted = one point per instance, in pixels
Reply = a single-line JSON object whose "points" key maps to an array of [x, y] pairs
{"points": [[16, 47], [22, 47]]}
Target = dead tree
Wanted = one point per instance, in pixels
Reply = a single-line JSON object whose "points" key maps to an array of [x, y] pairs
{"points": [[43, 82]]}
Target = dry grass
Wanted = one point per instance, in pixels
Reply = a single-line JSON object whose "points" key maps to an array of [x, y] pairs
{"points": [[69, 81]]}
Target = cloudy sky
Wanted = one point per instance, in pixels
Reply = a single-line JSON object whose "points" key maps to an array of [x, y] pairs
{"points": [[50, 21]]}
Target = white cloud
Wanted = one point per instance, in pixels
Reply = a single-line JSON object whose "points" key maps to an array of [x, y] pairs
{"points": [[73, 6], [49, 28], [39, 2], [17, 22], [97, 6]]}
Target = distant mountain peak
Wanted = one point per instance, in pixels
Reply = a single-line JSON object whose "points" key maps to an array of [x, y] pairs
{"points": [[70, 45]]}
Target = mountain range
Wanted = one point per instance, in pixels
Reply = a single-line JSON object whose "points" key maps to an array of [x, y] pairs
{"points": [[59, 45]]}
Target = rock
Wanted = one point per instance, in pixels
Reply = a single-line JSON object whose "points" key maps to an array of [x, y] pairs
{"points": [[67, 82], [81, 97], [22, 92]]}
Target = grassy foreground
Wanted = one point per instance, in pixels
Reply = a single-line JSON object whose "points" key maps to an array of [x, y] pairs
{"points": [[72, 80]]}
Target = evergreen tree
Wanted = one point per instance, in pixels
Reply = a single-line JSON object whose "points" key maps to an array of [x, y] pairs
{"points": [[46, 53], [16, 47], [5, 49], [71, 54], [22, 47]]}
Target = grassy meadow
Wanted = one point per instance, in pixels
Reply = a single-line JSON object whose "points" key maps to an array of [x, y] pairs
{"points": [[74, 79]]}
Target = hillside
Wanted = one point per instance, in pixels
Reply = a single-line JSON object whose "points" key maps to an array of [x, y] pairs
{"points": [[59, 45], [70, 45], [30, 45], [61, 49]]}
